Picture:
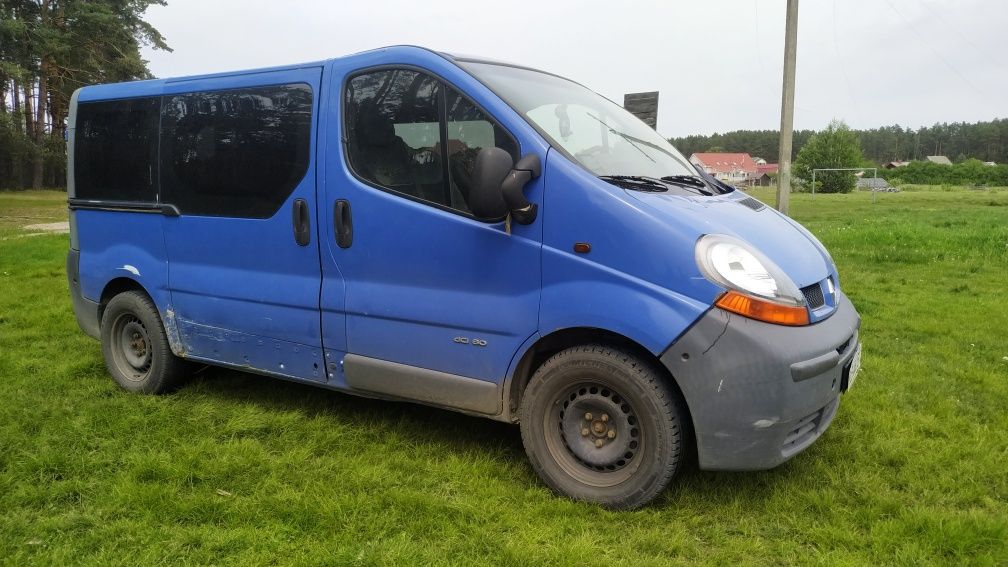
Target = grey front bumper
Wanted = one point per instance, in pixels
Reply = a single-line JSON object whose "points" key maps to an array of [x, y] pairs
{"points": [[761, 393]]}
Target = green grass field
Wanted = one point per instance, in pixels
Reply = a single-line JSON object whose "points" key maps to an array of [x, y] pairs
{"points": [[236, 468]]}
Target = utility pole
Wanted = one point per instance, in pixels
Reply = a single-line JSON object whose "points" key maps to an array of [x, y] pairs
{"points": [[787, 107]]}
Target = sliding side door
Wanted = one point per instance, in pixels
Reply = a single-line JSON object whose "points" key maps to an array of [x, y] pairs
{"points": [[236, 159]]}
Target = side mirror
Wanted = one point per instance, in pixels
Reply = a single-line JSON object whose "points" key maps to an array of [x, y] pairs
{"points": [[528, 168], [485, 198], [497, 185]]}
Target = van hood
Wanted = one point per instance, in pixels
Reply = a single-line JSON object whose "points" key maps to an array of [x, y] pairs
{"points": [[802, 257]]}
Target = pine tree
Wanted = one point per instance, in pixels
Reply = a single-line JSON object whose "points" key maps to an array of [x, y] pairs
{"points": [[48, 49]]}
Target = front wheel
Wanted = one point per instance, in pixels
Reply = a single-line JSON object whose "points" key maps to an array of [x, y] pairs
{"points": [[601, 425], [135, 345]]}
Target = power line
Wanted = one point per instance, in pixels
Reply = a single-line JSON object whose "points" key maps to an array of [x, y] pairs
{"points": [[913, 29], [759, 49], [843, 68], [966, 40]]}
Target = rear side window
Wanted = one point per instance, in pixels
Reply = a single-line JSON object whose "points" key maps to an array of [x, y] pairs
{"points": [[236, 153], [115, 150], [410, 133]]}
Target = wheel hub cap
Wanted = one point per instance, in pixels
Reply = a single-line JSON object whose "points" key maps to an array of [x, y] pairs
{"points": [[599, 428], [135, 345]]}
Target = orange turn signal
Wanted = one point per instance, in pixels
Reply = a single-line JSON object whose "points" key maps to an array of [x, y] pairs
{"points": [[762, 310]]}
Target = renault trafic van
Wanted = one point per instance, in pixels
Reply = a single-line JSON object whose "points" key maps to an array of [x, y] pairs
{"points": [[474, 235]]}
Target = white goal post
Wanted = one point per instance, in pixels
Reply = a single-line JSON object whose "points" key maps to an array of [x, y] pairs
{"points": [[874, 171]]}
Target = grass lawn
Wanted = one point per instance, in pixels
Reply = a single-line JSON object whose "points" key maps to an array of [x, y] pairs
{"points": [[240, 468]]}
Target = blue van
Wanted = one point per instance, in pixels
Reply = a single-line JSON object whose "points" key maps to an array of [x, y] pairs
{"points": [[474, 235]]}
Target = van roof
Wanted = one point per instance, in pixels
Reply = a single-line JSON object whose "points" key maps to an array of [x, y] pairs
{"points": [[152, 87], [155, 87]]}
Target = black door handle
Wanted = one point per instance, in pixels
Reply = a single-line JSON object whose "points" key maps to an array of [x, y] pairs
{"points": [[343, 223], [302, 223]]}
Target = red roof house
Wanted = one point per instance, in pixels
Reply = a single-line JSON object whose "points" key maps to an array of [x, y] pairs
{"points": [[732, 168]]}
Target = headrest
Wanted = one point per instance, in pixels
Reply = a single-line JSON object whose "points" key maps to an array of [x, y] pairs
{"points": [[374, 127]]}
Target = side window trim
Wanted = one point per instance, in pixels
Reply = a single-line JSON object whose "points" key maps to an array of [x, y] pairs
{"points": [[443, 111], [166, 209], [443, 130]]}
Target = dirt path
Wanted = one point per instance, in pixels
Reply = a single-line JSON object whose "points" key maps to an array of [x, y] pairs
{"points": [[57, 227]]}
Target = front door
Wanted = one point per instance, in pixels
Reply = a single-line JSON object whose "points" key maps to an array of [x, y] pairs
{"points": [[244, 276], [427, 285]]}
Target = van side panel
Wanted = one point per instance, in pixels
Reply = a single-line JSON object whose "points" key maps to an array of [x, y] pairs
{"points": [[617, 285], [117, 244]]}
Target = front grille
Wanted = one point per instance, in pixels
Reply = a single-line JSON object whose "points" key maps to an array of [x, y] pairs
{"points": [[752, 204], [813, 296]]}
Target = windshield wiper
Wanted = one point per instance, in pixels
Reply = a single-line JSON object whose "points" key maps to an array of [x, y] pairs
{"points": [[637, 182], [687, 183], [688, 180], [626, 137], [634, 141], [653, 184]]}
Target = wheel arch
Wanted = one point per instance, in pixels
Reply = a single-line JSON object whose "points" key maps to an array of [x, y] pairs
{"points": [[123, 284], [548, 345], [116, 286]]}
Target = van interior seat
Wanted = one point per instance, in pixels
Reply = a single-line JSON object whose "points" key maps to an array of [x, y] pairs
{"points": [[389, 161]]}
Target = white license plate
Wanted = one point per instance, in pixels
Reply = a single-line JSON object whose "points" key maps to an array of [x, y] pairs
{"points": [[855, 367]]}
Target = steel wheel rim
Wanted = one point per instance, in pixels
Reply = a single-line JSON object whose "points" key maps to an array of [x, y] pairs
{"points": [[131, 347], [611, 450]]}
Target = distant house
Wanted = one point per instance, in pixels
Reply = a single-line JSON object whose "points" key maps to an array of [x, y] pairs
{"points": [[764, 176], [895, 164], [875, 184], [731, 168], [940, 160], [762, 179]]}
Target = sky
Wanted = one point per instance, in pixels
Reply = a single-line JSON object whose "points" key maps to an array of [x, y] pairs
{"points": [[717, 63]]}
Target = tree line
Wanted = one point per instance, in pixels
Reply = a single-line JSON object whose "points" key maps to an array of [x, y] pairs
{"points": [[48, 49], [985, 141]]}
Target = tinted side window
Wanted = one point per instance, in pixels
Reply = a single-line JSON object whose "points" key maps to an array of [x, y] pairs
{"points": [[237, 153], [408, 132], [394, 130], [469, 131], [115, 150]]}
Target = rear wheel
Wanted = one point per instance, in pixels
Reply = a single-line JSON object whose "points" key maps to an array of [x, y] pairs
{"points": [[600, 424], [135, 345]]}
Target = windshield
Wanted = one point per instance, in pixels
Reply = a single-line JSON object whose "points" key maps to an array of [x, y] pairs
{"points": [[602, 136]]}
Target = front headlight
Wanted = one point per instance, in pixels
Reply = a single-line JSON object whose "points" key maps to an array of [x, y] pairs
{"points": [[757, 288]]}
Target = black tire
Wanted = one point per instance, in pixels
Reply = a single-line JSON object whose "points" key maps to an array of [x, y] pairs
{"points": [[135, 346], [601, 425]]}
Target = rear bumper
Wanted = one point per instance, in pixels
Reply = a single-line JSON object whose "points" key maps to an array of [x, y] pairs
{"points": [[84, 309], [760, 393]]}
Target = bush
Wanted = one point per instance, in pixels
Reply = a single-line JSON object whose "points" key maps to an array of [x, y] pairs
{"points": [[969, 172], [836, 146]]}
